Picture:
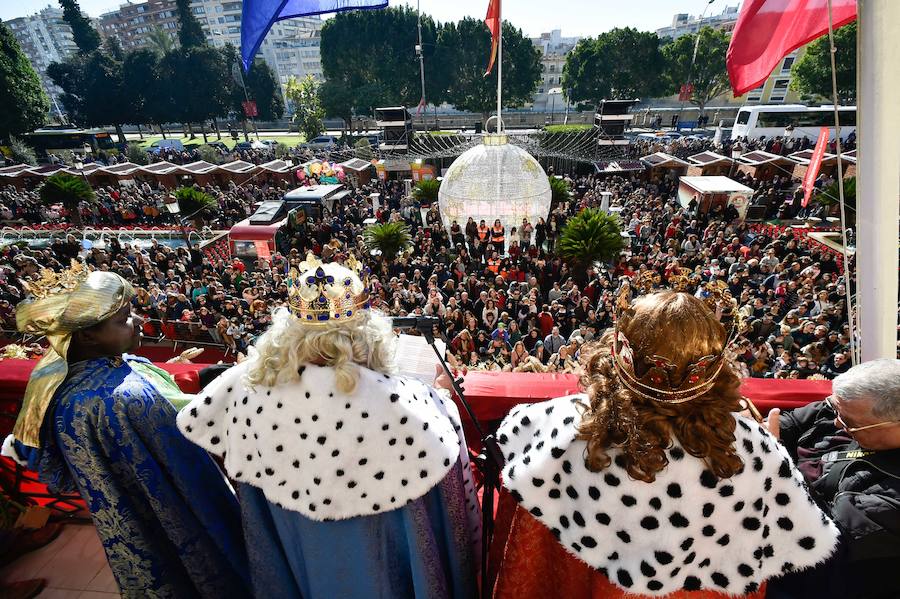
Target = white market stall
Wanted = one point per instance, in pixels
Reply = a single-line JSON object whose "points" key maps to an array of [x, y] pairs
{"points": [[712, 191]]}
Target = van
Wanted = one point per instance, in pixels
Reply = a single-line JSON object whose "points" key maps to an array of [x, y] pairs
{"points": [[166, 144]]}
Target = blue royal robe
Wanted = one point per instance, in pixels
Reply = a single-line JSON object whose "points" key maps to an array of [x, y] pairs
{"points": [[168, 521], [422, 550]]}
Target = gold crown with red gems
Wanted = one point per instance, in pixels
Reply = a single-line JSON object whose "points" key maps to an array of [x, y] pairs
{"points": [[661, 382], [320, 294]]}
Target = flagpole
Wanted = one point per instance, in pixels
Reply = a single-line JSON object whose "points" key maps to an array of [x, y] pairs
{"points": [[499, 65], [878, 179], [851, 312]]}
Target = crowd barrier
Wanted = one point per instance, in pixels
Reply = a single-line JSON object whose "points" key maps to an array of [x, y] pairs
{"points": [[491, 395]]}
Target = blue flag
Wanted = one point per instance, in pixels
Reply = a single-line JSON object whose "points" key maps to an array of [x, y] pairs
{"points": [[259, 15]]}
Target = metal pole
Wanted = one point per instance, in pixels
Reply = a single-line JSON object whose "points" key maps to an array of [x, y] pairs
{"points": [[500, 68], [878, 211], [851, 313], [419, 51]]}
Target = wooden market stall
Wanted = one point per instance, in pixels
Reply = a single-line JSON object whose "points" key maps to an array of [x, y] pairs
{"points": [[709, 163], [715, 190], [764, 166], [661, 164]]}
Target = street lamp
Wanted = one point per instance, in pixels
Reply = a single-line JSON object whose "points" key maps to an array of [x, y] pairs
{"points": [[175, 210]]}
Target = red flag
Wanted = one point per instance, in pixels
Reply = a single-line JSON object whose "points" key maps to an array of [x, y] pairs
{"points": [[812, 171], [492, 20], [768, 30], [421, 106]]}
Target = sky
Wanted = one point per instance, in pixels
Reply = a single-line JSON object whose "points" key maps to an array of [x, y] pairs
{"points": [[573, 17]]}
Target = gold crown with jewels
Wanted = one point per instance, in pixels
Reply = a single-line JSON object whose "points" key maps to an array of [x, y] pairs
{"points": [[320, 293], [51, 282]]}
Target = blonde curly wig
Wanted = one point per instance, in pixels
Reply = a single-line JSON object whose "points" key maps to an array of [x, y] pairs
{"points": [[290, 343]]}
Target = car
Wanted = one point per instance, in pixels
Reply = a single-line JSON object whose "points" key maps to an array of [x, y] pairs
{"points": [[166, 144], [218, 145], [323, 142]]}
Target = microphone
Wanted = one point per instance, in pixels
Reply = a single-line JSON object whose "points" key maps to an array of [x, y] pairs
{"points": [[415, 322]]}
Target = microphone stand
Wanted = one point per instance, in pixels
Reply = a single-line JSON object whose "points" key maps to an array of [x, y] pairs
{"points": [[490, 463]]}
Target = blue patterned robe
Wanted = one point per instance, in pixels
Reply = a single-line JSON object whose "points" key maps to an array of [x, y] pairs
{"points": [[169, 522]]}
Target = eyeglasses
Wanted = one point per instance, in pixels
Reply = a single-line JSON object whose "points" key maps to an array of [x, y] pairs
{"points": [[855, 429]]}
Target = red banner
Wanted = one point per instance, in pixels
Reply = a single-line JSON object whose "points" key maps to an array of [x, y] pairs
{"points": [[686, 92], [262, 249], [250, 108], [492, 20], [815, 163]]}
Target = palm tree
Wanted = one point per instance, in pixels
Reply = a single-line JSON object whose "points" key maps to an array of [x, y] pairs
{"points": [[160, 41], [559, 191], [830, 196], [388, 239], [426, 191], [195, 204], [68, 190], [588, 237]]}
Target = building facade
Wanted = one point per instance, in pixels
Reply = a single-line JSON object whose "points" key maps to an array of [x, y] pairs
{"points": [[774, 90], [554, 48], [134, 25], [684, 24], [291, 48], [45, 38]]}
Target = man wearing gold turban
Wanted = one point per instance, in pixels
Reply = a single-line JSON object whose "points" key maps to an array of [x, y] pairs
{"points": [[100, 421]]}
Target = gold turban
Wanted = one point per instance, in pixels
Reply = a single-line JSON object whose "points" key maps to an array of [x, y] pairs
{"points": [[60, 304]]}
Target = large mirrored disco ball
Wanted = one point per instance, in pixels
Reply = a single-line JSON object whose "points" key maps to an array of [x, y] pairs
{"points": [[494, 180]]}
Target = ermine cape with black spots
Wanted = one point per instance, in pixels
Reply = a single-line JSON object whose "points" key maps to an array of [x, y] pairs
{"points": [[687, 530], [327, 454]]}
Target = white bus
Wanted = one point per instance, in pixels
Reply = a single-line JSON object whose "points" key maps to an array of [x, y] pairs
{"points": [[753, 122]]}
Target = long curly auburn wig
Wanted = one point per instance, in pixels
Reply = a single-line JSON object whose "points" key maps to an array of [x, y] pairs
{"points": [[681, 328]]}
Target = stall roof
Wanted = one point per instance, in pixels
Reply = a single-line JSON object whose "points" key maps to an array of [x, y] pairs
{"points": [[200, 167], [356, 164], [12, 171], [758, 157], [619, 166], [275, 166], [160, 168], [124, 168], [708, 158], [805, 156], [849, 156], [715, 184], [238, 166], [47, 169], [663, 159]]}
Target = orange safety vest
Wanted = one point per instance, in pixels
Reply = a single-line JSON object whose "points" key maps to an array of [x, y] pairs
{"points": [[497, 236], [483, 233]]}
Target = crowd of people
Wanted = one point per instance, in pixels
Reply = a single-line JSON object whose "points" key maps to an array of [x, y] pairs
{"points": [[507, 301]]}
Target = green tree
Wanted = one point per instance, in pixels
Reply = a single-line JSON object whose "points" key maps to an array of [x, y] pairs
{"points": [[264, 89], [560, 192], [368, 60], [811, 75], [21, 152], [590, 236], [160, 41], [83, 33], [24, 102], [619, 64], [467, 45], [708, 76], [362, 149], [190, 34], [308, 111], [426, 191], [68, 190], [146, 87], [391, 239], [136, 154], [196, 205], [199, 84]]}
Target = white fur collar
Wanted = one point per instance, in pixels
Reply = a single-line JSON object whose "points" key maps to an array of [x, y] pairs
{"points": [[323, 453], [686, 530]]}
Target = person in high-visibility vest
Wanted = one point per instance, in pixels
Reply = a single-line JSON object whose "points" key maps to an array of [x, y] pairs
{"points": [[483, 232], [498, 235]]}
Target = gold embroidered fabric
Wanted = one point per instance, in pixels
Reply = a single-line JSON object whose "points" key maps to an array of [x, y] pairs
{"points": [[57, 315]]}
